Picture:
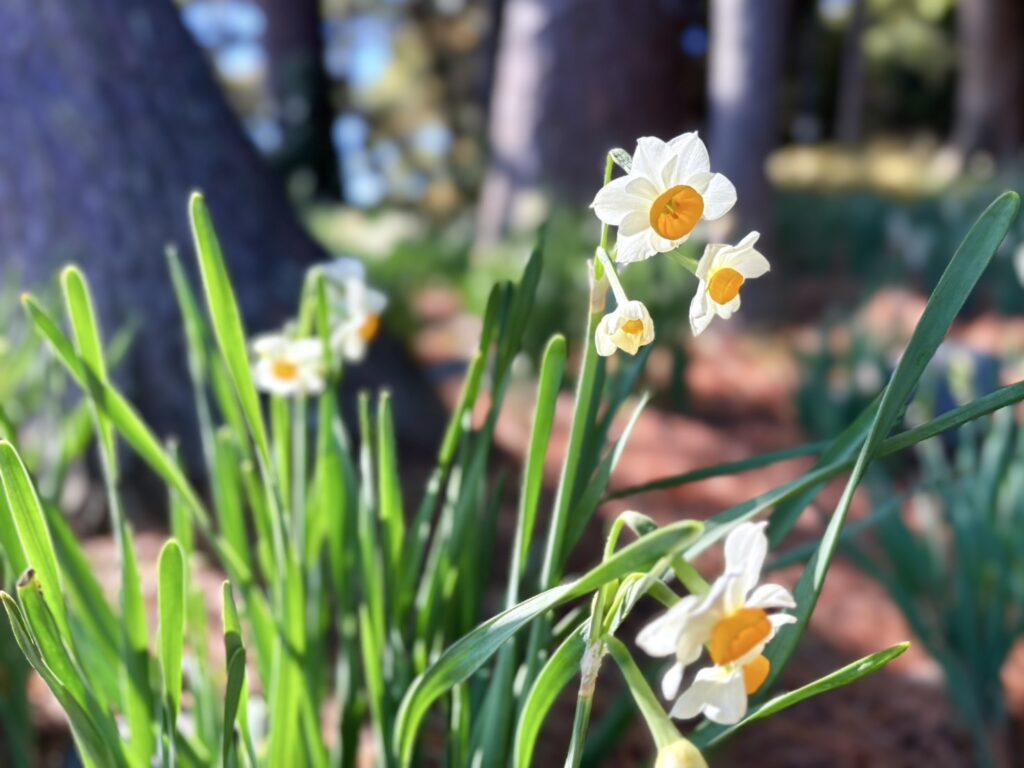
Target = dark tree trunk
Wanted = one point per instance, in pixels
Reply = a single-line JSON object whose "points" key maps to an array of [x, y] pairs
{"points": [[745, 69], [850, 108], [573, 79], [989, 110], [111, 117], [300, 89]]}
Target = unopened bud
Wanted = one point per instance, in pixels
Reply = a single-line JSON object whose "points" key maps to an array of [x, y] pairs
{"points": [[680, 754]]}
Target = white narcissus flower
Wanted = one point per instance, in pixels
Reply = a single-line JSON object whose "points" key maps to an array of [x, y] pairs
{"points": [[359, 310], [288, 367], [733, 621], [355, 307], [722, 270], [667, 191], [627, 327]]}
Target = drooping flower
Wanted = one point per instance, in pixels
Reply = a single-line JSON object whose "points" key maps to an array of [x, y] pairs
{"points": [[722, 271], [733, 621], [627, 327], [667, 191], [288, 367], [680, 754]]}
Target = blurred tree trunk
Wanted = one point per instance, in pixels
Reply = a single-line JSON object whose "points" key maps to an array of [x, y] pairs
{"points": [[850, 110], [112, 116], [744, 76], [989, 108], [573, 79], [300, 89]]}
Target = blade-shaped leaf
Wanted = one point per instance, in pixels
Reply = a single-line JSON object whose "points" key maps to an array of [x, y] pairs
{"points": [[30, 522], [227, 320], [956, 283], [171, 600]]}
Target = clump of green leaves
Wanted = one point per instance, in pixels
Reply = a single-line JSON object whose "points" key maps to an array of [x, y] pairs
{"points": [[348, 609]]}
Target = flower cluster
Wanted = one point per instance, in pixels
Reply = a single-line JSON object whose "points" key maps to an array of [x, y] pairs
{"points": [[733, 621], [656, 206], [288, 364]]}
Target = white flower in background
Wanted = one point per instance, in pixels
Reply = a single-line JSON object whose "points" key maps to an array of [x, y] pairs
{"points": [[680, 754], [343, 268], [359, 310], [668, 190], [733, 621], [629, 326], [722, 271], [286, 366], [355, 307]]}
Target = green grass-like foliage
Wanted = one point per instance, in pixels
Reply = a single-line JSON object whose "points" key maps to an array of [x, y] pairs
{"points": [[345, 598]]}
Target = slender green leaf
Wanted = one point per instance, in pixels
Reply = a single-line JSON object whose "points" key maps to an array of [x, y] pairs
{"points": [[235, 695], [553, 677], [97, 749], [227, 320], [132, 428], [33, 533], [956, 283], [391, 511], [171, 599]]}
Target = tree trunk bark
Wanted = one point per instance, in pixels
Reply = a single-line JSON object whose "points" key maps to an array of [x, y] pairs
{"points": [[850, 110], [744, 72], [573, 79], [112, 117], [300, 89], [989, 112]]}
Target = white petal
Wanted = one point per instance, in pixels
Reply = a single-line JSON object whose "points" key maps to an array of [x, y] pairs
{"points": [[692, 157], [614, 201], [634, 222], [659, 638], [663, 244], [735, 596], [603, 335], [303, 351], [671, 681], [342, 269], [780, 620], [718, 692], [707, 260], [694, 636], [650, 157], [729, 704], [719, 196], [745, 551], [633, 248], [725, 311], [748, 262], [769, 596], [269, 344], [701, 311]]}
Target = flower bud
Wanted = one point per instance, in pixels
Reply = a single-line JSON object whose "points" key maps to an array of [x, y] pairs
{"points": [[680, 754]]}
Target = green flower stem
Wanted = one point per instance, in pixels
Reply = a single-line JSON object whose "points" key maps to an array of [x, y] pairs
{"points": [[689, 577], [684, 260], [612, 275], [662, 730]]}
